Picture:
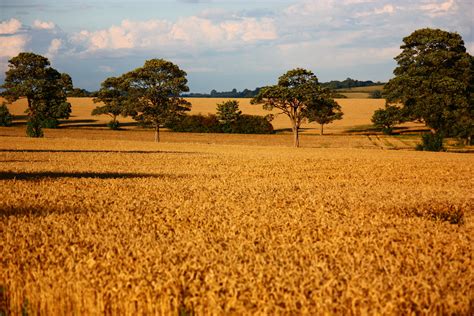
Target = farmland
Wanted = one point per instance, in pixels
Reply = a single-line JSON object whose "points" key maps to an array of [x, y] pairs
{"points": [[357, 113], [106, 222]]}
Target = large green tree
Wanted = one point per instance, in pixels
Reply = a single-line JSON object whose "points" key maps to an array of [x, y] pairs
{"points": [[434, 82], [31, 76], [153, 93], [297, 91]]}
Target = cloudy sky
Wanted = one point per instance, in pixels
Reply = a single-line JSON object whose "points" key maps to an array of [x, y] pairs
{"points": [[224, 44]]}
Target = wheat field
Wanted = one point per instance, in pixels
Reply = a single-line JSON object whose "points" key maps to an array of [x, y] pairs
{"points": [[357, 112], [108, 226]]}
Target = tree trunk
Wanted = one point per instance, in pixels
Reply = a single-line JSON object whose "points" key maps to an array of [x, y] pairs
{"points": [[157, 133], [296, 136], [322, 129]]}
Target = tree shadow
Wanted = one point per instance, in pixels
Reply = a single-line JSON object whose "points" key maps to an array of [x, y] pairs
{"points": [[34, 176]]}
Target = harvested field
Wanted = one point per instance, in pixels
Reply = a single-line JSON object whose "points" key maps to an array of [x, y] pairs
{"points": [[109, 226]]}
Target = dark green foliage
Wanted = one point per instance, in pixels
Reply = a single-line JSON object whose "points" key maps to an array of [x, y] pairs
{"points": [[45, 89], [227, 113], [5, 116], [34, 127], [252, 124], [386, 118], [324, 111], [50, 123], [348, 83], [245, 124], [114, 125], [431, 142], [296, 92], [113, 94], [376, 94], [196, 124], [434, 82], [152, 93]]}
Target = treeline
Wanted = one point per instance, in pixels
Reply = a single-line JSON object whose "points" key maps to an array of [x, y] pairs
{"points": [[349, 83], [234, 94], [246, 93]]}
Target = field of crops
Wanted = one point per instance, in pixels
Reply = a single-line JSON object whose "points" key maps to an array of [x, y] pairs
{"points": [[109, 226], [357, 112]]}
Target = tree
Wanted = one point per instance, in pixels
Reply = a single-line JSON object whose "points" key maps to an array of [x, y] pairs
{"points": [[153, 93], [113, 95], [227, 113], [296, 91], [386, 118], [324, 111], [434, 82], [45, 89]]}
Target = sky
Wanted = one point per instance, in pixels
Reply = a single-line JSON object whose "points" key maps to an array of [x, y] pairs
{"points": [[224, 44]]}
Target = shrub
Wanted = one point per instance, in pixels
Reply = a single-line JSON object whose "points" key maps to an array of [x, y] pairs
{"points": [[5, 116], [431, 142], [114, 124], [196, 124], [50, 123], [245, 124], [252, 124]]}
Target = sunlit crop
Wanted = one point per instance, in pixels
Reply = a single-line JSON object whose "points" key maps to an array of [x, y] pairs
{"points": [[119, 227]]}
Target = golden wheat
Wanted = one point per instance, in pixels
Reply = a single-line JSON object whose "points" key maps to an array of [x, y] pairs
{"points": [[357, 112], [118, 227]]}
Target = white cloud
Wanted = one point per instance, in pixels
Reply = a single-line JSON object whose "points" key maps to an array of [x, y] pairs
{"points": [[386, 9], [11, 26], [54, 47], [9, 47], [41, 25], [439, 8], [191, 32]]}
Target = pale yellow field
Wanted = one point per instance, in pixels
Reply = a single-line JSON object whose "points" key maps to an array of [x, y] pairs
{"points": [[104, 226], [357, 112]]}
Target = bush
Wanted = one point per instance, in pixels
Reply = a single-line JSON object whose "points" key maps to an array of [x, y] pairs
{"points": [[114, 124], [431, 142], [252, 124], [245, 124], [33, 127], [50, 123], [376, 94], [5, 116], [196, 124]]}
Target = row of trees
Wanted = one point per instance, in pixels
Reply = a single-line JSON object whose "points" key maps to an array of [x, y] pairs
{"points": [[433, 83]]}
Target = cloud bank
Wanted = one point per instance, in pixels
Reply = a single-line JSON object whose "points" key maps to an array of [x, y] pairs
{"points": [[336, 38]]}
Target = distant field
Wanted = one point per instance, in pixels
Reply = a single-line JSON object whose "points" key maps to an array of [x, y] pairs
{"points": [[357, 112]]}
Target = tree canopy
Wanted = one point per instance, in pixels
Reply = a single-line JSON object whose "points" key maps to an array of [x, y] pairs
{"points": [[324, 110], [298, 91], [31, 76], [434, 82], [153, 93], [113, 94]]}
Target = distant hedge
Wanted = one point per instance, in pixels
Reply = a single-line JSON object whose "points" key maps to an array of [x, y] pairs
{"points": [[245, 124]]}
